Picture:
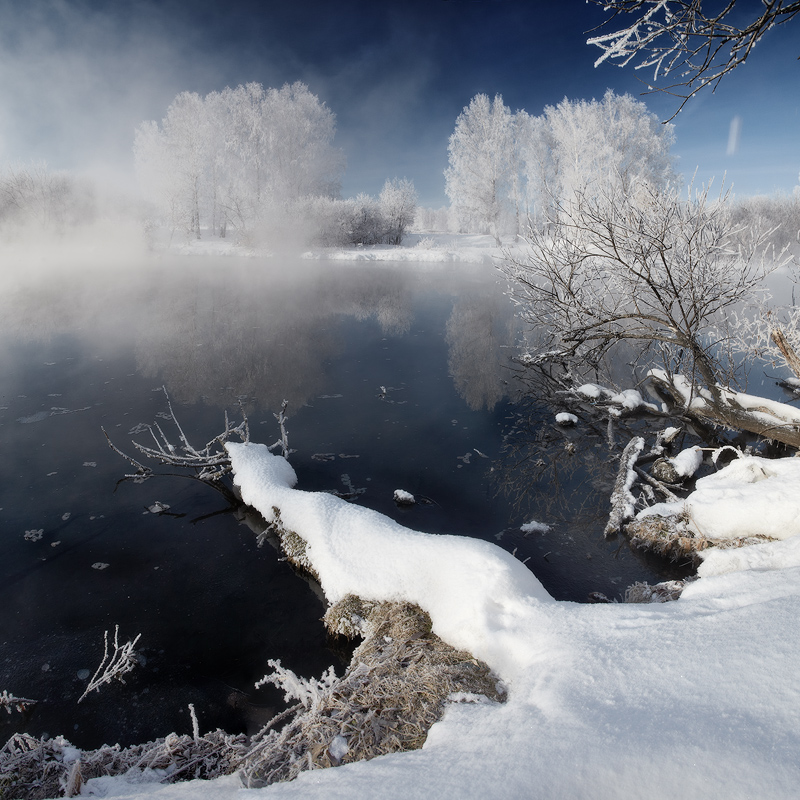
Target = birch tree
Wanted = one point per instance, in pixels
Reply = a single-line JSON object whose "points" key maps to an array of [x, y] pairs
{"points": [[398, 207], [234, 155], [593, 147], [479, 177]]}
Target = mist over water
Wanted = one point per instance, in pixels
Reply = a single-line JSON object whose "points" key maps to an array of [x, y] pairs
{"points": [[397, 378]]}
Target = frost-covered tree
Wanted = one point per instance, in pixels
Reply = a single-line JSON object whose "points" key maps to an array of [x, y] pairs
{"points": [[36, 199], [684, 38], [593, 147], [480, 174], [170, 161], [505, 167], [650, 270], [301, 158], [234, 156], [398, 207]]}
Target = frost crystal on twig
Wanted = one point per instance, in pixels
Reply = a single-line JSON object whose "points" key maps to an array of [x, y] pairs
{"points": [[113, 665], [210, 462], [9, 702], [283, 442]]}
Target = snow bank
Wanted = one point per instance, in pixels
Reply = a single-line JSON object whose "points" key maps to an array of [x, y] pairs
{"points": [[698, 698], [751, 496], [687, 462], [470, 588], [770, 555]]}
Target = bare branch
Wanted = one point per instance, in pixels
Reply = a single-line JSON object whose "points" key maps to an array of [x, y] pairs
{"points": [[114, 665], [678, 37]]}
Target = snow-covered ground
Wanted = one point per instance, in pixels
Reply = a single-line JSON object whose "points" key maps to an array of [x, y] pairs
{"points": [[698, 698], [416, 247]]}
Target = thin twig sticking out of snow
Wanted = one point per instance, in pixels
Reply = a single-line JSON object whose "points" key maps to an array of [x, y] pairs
{"points": [[283, 442], [120, 663]]}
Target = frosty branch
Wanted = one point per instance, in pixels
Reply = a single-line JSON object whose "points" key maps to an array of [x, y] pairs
{"points": [[114, 665], [649, 269], [679, 36], [10, 702]]}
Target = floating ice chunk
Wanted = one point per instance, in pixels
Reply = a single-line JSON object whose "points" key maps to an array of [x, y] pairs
{"points": [[34, 535], [37, 417], [534, 527], [100, 565], [564, 418], [404, 498]]}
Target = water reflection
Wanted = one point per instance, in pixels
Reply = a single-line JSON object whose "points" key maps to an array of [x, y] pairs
{"points": [[399, 378], [481, 332]]}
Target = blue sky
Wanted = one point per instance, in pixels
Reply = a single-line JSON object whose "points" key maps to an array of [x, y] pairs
{"points": [[77, 76]]}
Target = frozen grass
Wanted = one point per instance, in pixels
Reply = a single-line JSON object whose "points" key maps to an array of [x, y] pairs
{"points": [[396, 686], [672, 537]]}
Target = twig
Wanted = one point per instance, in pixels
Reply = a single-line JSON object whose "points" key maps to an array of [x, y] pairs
{"points": [[9, 701], [120, 663], [622, 501]]}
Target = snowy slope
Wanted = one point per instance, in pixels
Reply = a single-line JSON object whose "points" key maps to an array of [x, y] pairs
{"points": [[698, 698]]}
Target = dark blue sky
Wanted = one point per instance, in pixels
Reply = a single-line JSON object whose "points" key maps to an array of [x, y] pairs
{"points": [[77, 76]]}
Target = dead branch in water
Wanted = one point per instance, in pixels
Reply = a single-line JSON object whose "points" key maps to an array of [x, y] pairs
{"points": [[114, 665]]}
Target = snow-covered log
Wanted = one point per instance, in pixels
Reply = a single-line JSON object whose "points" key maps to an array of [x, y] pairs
{"points": [[737, 410], [622, 501]]}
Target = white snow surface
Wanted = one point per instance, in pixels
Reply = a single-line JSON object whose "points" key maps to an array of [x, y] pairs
{"points": [[751, 496], [534, 527], [565, 418], [688, 461], [630, 399], [698, 698]]}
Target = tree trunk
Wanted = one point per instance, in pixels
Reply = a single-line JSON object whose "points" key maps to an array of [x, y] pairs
{"points": [[726, 413], [789, 354]]}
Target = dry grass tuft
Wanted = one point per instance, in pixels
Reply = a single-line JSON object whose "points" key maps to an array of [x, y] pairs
{"points": [[672, 537], [396, 687], [34, 769]]}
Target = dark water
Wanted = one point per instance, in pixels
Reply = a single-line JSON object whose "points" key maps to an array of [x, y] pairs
{"points": [[396, 378]]}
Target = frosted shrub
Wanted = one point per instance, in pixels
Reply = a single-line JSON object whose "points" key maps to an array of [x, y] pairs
{"points": [[309, 691]]}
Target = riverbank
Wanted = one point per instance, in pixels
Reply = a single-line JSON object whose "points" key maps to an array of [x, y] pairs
{"points": [[695, 698], [416, 247]]}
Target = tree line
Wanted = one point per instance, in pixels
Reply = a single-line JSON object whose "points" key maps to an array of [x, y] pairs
{"points": [[254, 159], [506, 169]]}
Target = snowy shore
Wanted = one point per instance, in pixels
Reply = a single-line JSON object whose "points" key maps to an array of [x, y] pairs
{"points": [[417, 248], [696, 698]]}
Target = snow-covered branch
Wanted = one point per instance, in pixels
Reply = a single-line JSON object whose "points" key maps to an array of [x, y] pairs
{"points": [[679, 36]]}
